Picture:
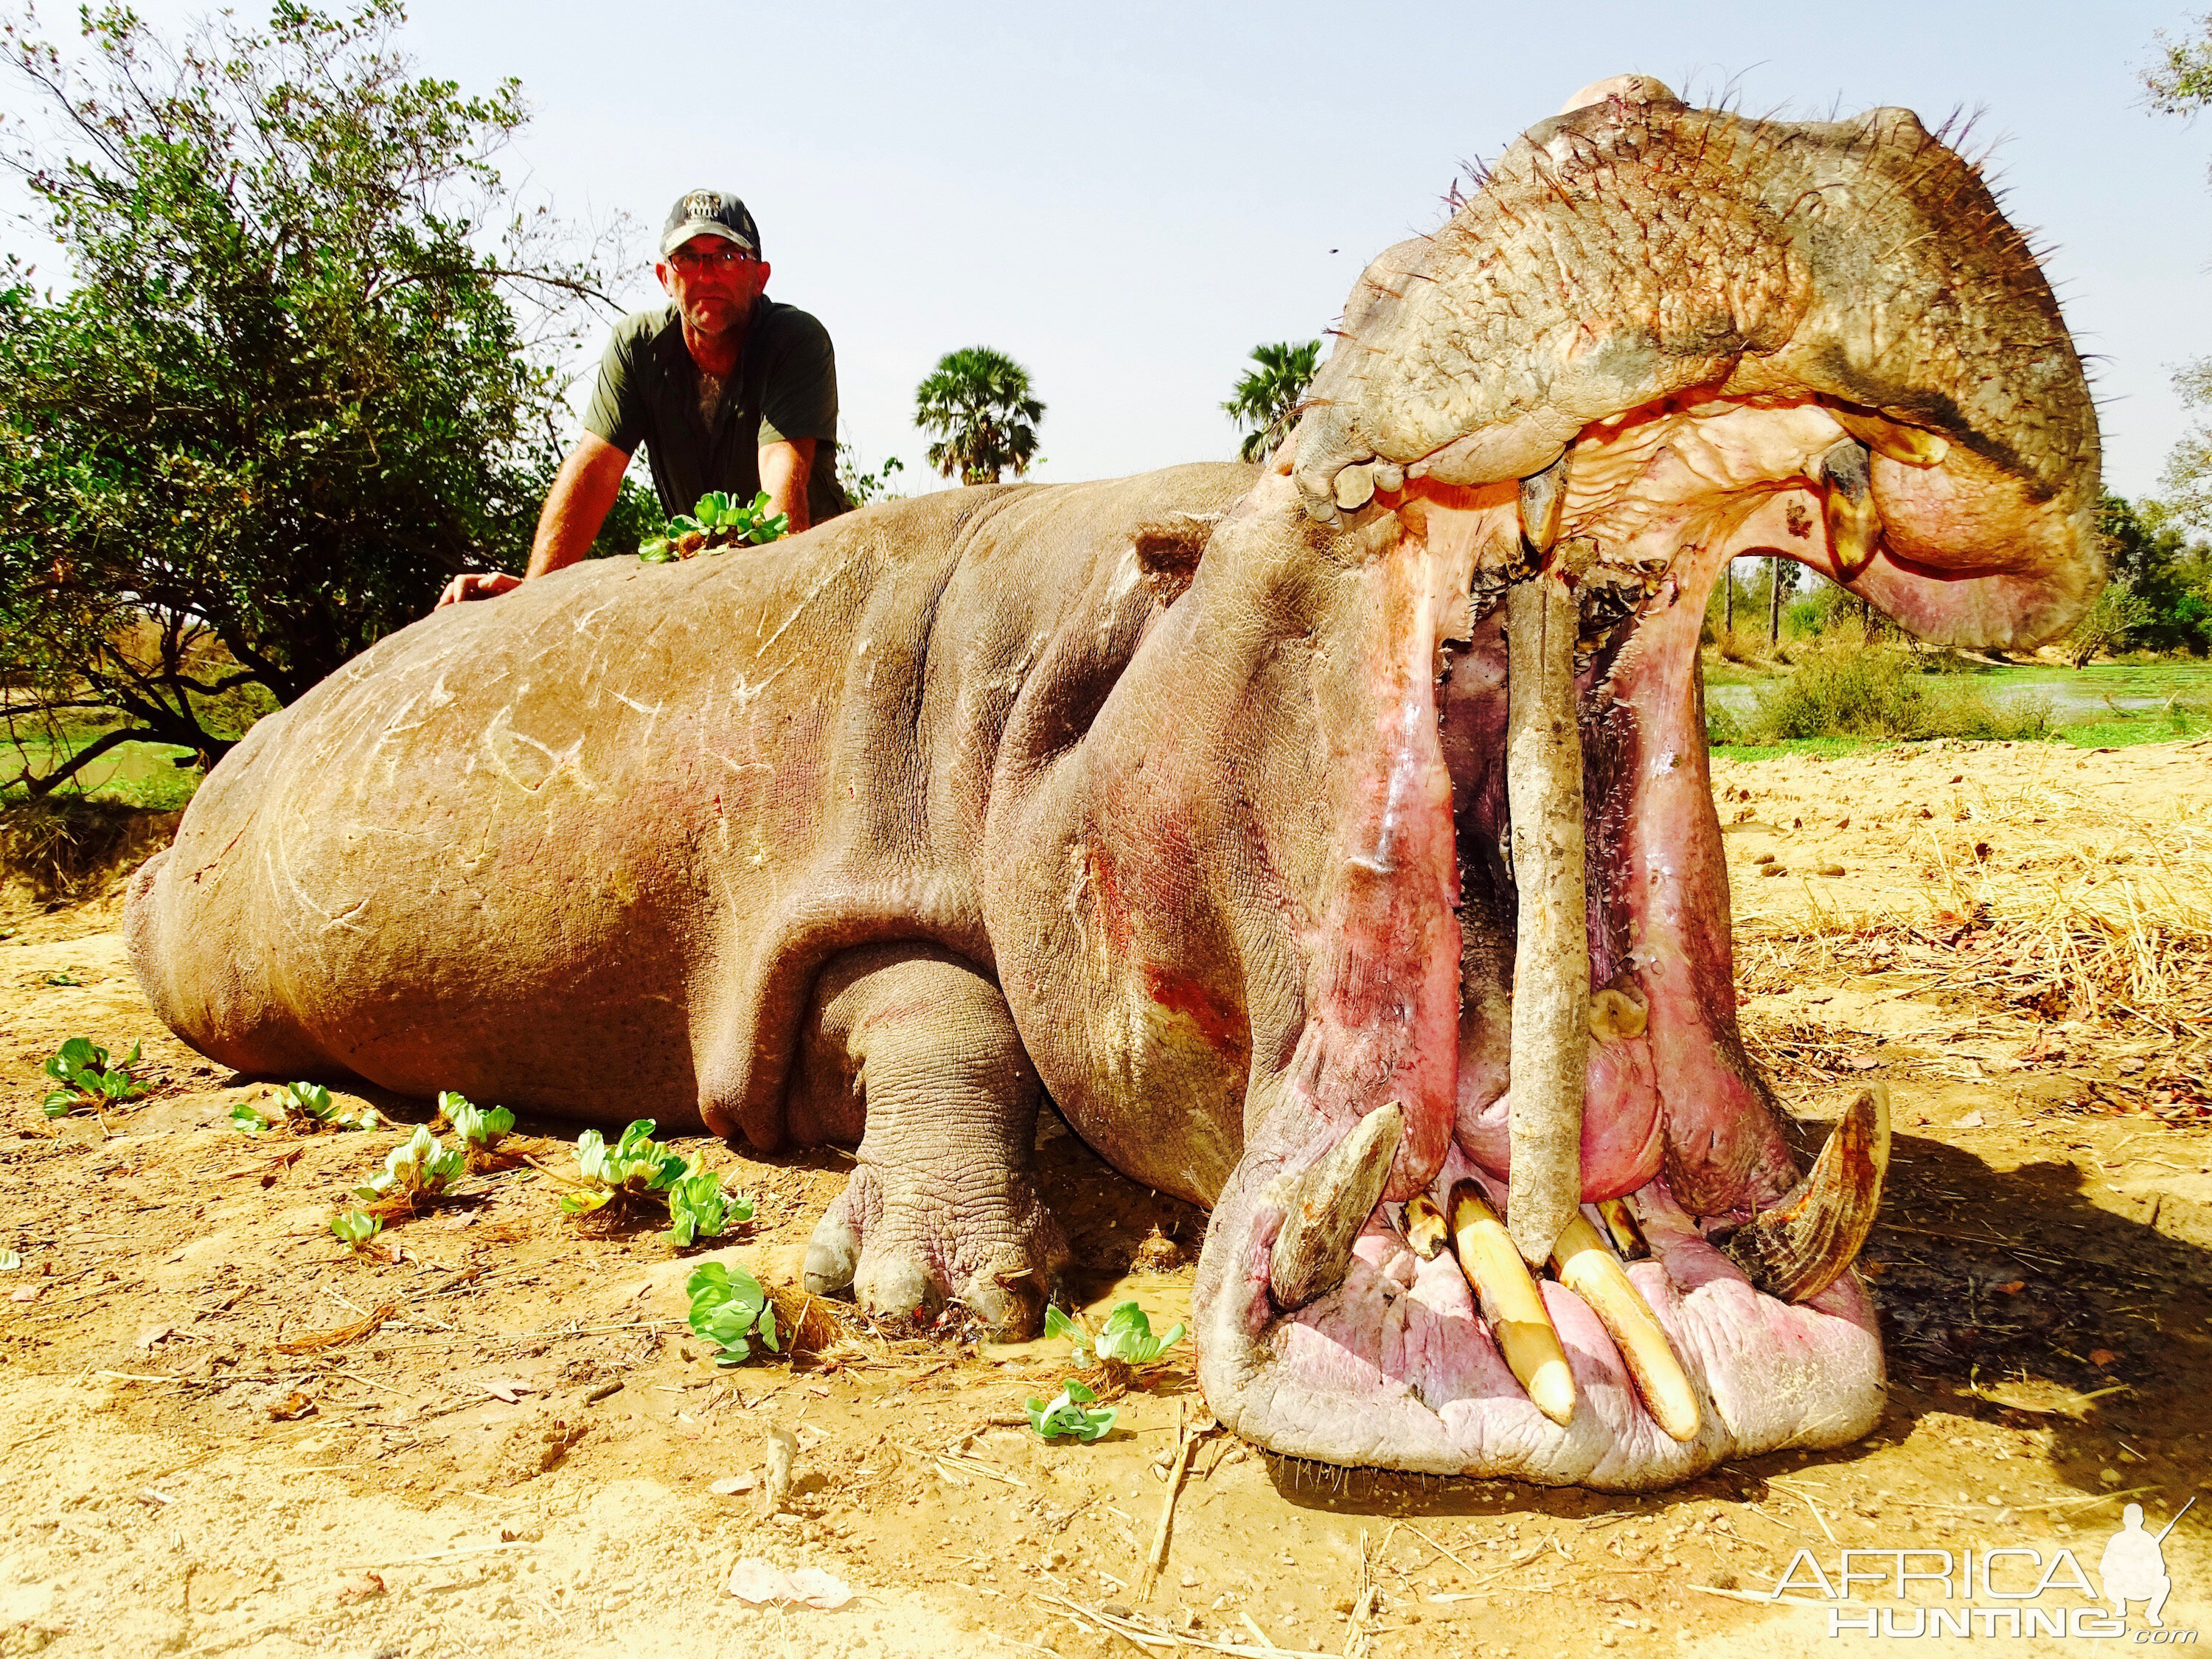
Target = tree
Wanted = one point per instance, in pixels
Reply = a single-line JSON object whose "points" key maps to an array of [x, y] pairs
{"points": [[1267, 398], [304, 371], [978, 404], [2165, 579]]}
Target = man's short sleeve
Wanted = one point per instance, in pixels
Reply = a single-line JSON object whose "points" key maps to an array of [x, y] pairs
{"points": [[799, 399], [617, 411]]}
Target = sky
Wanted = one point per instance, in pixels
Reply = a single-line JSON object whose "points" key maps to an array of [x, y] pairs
{"points": [[1127, 199]]}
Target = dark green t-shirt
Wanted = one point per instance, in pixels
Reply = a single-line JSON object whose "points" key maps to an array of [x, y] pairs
{"points": [[785, 388]]}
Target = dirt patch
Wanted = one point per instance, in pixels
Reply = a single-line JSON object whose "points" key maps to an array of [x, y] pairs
{"points": [[228, 1434]]}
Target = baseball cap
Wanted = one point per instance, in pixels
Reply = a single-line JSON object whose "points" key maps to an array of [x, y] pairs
{"points": [[709, 213]]}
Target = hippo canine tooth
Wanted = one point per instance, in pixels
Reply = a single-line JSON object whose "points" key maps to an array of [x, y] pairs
{"points": [[1798, 1247], [1519, 1322], [1620, 1223], [1550, 1042], [1614, 1013], [1332, 1203], [1586, 1266], [1911, 445], [1425, 1230], [1854, 520], [1543, 503]]}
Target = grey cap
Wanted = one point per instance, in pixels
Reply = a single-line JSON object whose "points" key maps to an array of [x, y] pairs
{"points": [[709, 213]]}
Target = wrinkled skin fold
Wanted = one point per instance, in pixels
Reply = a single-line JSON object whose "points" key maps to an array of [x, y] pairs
{"points": [[1186, 800]]}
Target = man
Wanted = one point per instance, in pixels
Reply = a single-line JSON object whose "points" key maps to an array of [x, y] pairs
{"points": [[725, 388]]}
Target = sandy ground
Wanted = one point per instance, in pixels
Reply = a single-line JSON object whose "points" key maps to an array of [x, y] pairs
{"points": [[227, 1434]]}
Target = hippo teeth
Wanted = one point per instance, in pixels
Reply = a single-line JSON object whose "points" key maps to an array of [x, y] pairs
{"points": [[1543, 502], [1551, 973], [1797, 1248], [1585, 1266], [1519, 1322], [1333, 1202], [1854, 521]]}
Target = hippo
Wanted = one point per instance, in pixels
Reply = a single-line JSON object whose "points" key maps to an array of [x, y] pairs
{"points": [[1331, 840]]}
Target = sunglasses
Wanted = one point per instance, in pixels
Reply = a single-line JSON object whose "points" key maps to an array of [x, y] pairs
{"points": [[684, 259]]}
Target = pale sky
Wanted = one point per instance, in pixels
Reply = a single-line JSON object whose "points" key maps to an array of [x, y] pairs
{"points": [[1128, 199]]}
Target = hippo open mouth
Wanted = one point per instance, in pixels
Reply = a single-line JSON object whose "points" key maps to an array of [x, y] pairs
{"points": [[1519, 1205]]}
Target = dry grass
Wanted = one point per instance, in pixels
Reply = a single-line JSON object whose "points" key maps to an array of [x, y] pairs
{"points": [[2038, 911]]}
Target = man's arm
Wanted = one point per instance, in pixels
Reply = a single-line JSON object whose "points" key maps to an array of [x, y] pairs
{"points": [[785, 467], [577, 505]]}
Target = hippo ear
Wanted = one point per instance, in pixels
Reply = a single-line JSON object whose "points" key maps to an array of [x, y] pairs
{"points": [[1169, 550]]}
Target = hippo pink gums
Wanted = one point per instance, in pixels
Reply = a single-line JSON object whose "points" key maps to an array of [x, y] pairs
{"points": [[1331, 841]]}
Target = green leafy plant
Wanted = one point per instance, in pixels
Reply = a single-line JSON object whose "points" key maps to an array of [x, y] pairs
{"points": [[89, 1079], [730, 1311], [420, 1166], [356, 1227], [634, 1166], [65, 977], [306, 1107], [480, 1131], [1126, 1338], [720, 521], [1071, 1415], [699, 1206]]}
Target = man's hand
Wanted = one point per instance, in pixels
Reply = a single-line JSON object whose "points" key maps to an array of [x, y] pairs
{"points": [[784, 467], [477, 585]]}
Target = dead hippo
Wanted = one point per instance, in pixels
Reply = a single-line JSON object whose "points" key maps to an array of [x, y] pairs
{"points": [[1273, 821]]}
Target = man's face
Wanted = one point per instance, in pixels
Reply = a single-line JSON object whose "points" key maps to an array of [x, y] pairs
{"points": [[713, 282]]}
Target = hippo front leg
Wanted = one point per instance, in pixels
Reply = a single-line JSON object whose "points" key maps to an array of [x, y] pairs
{"points": [[915, 1051]]}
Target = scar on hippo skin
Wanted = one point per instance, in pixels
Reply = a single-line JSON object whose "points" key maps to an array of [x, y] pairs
{"points": [[913, 1051], [1168, 551]]}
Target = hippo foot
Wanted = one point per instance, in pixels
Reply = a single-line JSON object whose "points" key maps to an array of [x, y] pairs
{"points": [[904, 1248]]}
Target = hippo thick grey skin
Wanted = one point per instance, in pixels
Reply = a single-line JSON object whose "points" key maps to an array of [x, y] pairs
{"points": [[1184, 799]]}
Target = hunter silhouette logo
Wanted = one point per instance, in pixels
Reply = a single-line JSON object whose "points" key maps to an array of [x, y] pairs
{"points": [[2133, 1566]]}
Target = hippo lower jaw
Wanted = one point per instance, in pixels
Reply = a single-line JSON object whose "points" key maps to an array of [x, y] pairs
{"points": [[1396, 1364]]}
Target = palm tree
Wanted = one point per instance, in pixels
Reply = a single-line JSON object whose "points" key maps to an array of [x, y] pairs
{"points": [[1268, 397], [977, 403]]}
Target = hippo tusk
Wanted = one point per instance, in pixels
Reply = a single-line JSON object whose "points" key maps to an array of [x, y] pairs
{"points": [[1621, 1224], [1586, 1266], [1332, 1203], [1543, 503], [1425, 1230], [1355, 487], [1801, 1245], [1854, 520], [1910, 446], [1550, 964], [1519, 1322]]}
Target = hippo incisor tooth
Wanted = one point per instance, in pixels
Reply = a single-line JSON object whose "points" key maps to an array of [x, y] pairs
{"points": [[1389, 475], [1425, 1226], [1586, 1266], [1550, 1040], [1911, 445], [1519, 1322], [1355, 487], [1798, 1247], [1620, 1222], [1314, 1250], [1543, 501], [1854, 520], [1617, 1013]]}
